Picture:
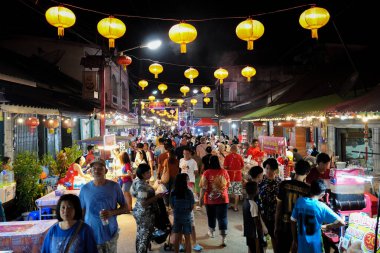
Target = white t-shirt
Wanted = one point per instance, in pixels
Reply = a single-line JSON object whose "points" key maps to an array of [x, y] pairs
{"points": [[189, 167], [255, 212]]}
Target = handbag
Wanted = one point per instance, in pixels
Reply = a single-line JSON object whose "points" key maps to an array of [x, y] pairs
{"points": [[165, 174], [67, 248]]}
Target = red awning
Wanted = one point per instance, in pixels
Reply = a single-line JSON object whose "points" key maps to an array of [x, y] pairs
{"points": [[367, 103], [206, 122]]}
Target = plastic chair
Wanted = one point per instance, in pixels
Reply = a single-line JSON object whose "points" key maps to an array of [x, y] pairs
{"points": [[34, 215], [48, 212]]}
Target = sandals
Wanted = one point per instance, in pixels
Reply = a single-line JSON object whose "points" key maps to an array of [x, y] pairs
{"points": [[236, 209]]}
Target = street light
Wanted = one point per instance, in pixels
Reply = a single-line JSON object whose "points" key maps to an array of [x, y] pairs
{"points": [[151, 45]]}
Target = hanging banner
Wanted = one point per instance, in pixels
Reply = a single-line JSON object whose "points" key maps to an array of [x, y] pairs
{"points": [[361, 229], [273, 145]]}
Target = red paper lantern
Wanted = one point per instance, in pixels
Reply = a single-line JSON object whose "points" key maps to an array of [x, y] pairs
{"points": [[32, 123], [51, 124], [124, 61]]}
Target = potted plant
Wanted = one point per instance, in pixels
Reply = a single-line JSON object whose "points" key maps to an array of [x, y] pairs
{"points": [[27, 174]]}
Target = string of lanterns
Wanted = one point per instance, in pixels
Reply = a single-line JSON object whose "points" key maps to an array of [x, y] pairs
{"points": [[183, 33], [50, 123]]}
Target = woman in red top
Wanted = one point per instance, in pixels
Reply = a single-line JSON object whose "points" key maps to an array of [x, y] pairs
{"points": [[126, 178], [214, 194], [255, 152], [234, 164], [74, 170]]}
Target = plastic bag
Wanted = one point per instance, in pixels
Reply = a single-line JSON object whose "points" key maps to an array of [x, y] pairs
{"points": [[155, 185], [161, 189]]}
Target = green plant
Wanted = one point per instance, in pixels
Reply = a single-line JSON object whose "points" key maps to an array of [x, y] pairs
{"points": [[73, 153], [64, 158], [48, 161], [27, 174]]}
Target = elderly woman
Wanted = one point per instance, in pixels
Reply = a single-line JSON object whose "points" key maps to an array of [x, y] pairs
{"points": [[214, 194], [70, 234], [221, 153], [144, 209]]}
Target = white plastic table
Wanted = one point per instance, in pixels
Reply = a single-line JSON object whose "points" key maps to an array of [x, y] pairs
{"points": [[50, 200]]}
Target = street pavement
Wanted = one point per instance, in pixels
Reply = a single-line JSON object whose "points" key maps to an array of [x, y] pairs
{"points": [[235, 243]]}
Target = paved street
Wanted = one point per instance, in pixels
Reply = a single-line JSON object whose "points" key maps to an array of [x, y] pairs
{"points": [[236, 241]]}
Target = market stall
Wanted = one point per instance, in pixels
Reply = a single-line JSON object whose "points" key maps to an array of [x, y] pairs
{"points": [[24, 236], [51, 200]]}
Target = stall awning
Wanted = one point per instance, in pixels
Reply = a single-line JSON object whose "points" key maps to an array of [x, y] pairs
{"points": [[263, 112], [311, 106], [300, 108], [206, 122], [369, 102]]}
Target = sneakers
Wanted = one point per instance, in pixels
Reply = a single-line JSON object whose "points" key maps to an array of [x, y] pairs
{"points": [[197, 247], [181, 248], [224, 241], [211, 234]]}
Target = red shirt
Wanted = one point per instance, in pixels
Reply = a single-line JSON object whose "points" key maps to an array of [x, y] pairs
{"points": [[215, 183], [70, 174], [314, 174], [255, 153], [234, 163]]}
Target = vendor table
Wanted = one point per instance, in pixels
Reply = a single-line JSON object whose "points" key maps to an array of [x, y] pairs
{"points": [[24, 236], [51, 200]]}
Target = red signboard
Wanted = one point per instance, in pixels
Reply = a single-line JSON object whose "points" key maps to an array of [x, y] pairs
{"points": [[273, 145]]}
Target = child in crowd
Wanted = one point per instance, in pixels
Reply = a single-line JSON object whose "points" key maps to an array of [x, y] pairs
{"points": [[254, 227], [182, 202]]}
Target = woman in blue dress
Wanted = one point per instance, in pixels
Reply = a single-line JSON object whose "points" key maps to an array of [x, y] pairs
{"points": [[70, 234]]}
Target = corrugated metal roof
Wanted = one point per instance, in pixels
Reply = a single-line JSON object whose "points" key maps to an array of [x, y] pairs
{"points": [[370, 102]]}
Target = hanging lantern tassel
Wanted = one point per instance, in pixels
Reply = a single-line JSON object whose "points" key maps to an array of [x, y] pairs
{"points": [[111, 43], [61, 31], [51, 130], [69, 130]]}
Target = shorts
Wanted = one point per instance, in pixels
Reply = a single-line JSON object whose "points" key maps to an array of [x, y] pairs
{"points": [[235, 188], [126, 186], [182, 227]]}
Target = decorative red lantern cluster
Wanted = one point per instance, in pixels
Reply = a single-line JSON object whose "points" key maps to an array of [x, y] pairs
{"points": [[32, 123], [124, 61]]}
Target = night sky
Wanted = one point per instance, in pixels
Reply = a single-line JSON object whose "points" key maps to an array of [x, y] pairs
{"points": [[216, 44]]}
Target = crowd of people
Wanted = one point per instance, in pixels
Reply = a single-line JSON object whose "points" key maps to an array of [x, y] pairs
{"points": [[197, 172]]}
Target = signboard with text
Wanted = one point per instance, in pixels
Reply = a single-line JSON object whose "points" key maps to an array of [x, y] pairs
{"points": [[361, 228], [272, 145]]}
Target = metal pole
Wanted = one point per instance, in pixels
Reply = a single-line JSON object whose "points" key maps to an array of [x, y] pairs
{"points": [[103, 102], [139, 116]]}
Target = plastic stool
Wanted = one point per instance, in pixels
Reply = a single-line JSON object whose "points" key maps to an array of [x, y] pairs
{"points": [[48, 212], [34, 215]]}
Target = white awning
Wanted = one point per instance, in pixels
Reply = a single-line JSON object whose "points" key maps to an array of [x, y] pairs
{"points": [[28, 110]]}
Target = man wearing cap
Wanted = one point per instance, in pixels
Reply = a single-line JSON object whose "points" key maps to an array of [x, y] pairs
{"points": [[100, 199]]}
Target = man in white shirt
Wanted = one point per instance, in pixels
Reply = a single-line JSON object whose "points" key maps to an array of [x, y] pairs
{"points": [[189, 166]]}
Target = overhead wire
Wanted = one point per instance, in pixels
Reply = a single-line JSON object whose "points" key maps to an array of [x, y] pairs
{"points": [[178, 20]]}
